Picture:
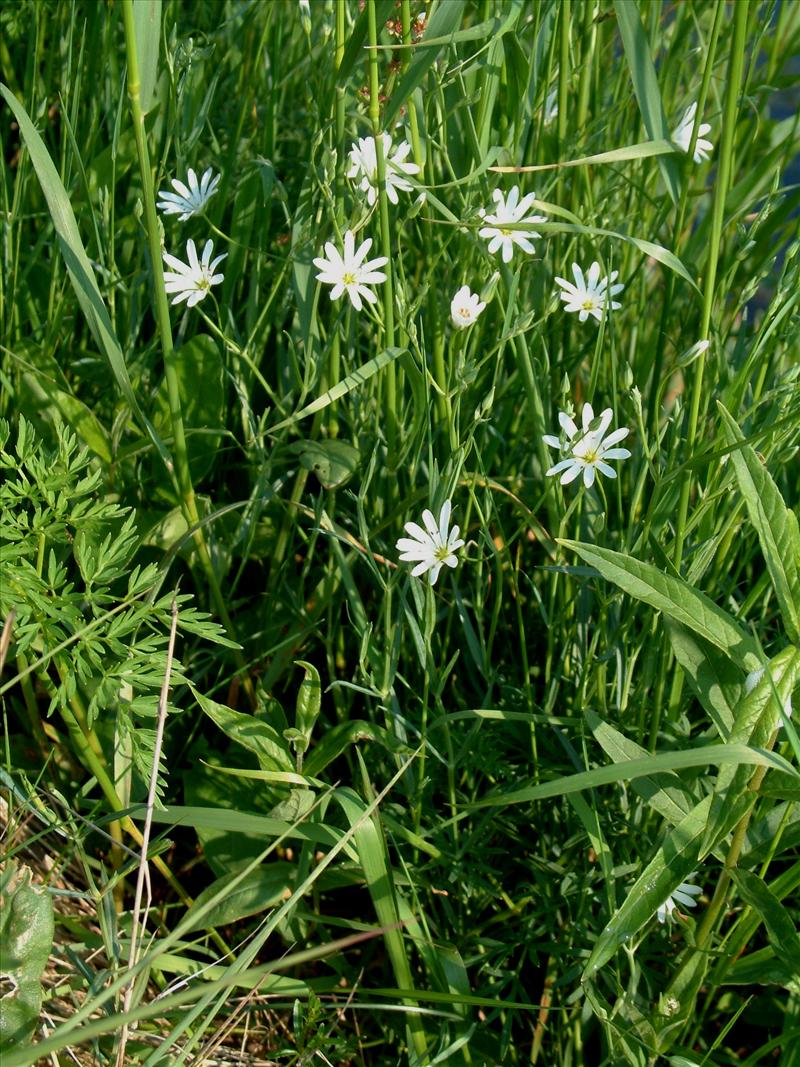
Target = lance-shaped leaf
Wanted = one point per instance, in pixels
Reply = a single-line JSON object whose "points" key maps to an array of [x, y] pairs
{"points": [[675, 598], [676, 858], [758, 715], [776, 525]]}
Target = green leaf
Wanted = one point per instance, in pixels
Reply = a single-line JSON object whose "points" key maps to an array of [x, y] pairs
{"points": [[261, 827], [341, 736], [260, 889], [759, 968], [333, 462], [676, 858], [26, 940], [374, 860], [715, 679], [706, 755], [342, 388], [645, 85], [758, 715], [253, 734], [781, 928], [147, 31], [616, 155], [675, 598], [309, 701], [77, 262], [664, 792], [776, 525]]}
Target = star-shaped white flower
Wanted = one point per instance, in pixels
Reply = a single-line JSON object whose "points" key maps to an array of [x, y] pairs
{"points": [[433, 547], [589, 448], [465, 307], [188, 200], [364, 164], [192, 281], [684, 894], [683, 135], [350, 272], [590, 294], [509, 212]]}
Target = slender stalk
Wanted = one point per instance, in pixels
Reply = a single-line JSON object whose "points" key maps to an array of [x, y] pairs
{"points": [[161, 308], [144, 876], [669, 280], [334, 357], [387, 289], [735, 69]]}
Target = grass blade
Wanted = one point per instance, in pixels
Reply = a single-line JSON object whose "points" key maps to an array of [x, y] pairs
{"points": [[645, 85], [77, 262]]}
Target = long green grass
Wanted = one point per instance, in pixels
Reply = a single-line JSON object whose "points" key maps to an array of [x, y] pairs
{"points": [[286, 802]]}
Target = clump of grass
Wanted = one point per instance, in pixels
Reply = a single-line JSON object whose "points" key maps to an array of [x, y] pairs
{"points": [[530, 270]]}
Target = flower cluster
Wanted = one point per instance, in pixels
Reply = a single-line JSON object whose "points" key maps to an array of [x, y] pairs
{"points": [[190, 281], [364, 166]]}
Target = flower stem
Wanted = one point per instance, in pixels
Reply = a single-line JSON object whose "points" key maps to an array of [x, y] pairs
{"points": [[188, 502], [383, 210], [735, 69]]}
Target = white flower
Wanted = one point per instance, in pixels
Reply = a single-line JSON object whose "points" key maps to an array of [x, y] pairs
{"points": [[509, 212], [432, 547], [305, 8], [684, 894], [188, 200], [192, 281], [349, 271], [683, 135], [589, 295], [364, 163], [588, 449], [752, 680], [465, 307]]}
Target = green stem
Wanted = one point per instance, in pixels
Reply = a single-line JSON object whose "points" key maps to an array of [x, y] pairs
{"points": [[161, 308], [669, 280], [383, 210], [721, 185]]}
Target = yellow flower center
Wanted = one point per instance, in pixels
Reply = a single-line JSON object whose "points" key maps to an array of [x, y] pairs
{"points": [[349, 278], [441, 553], [588, 304]]}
